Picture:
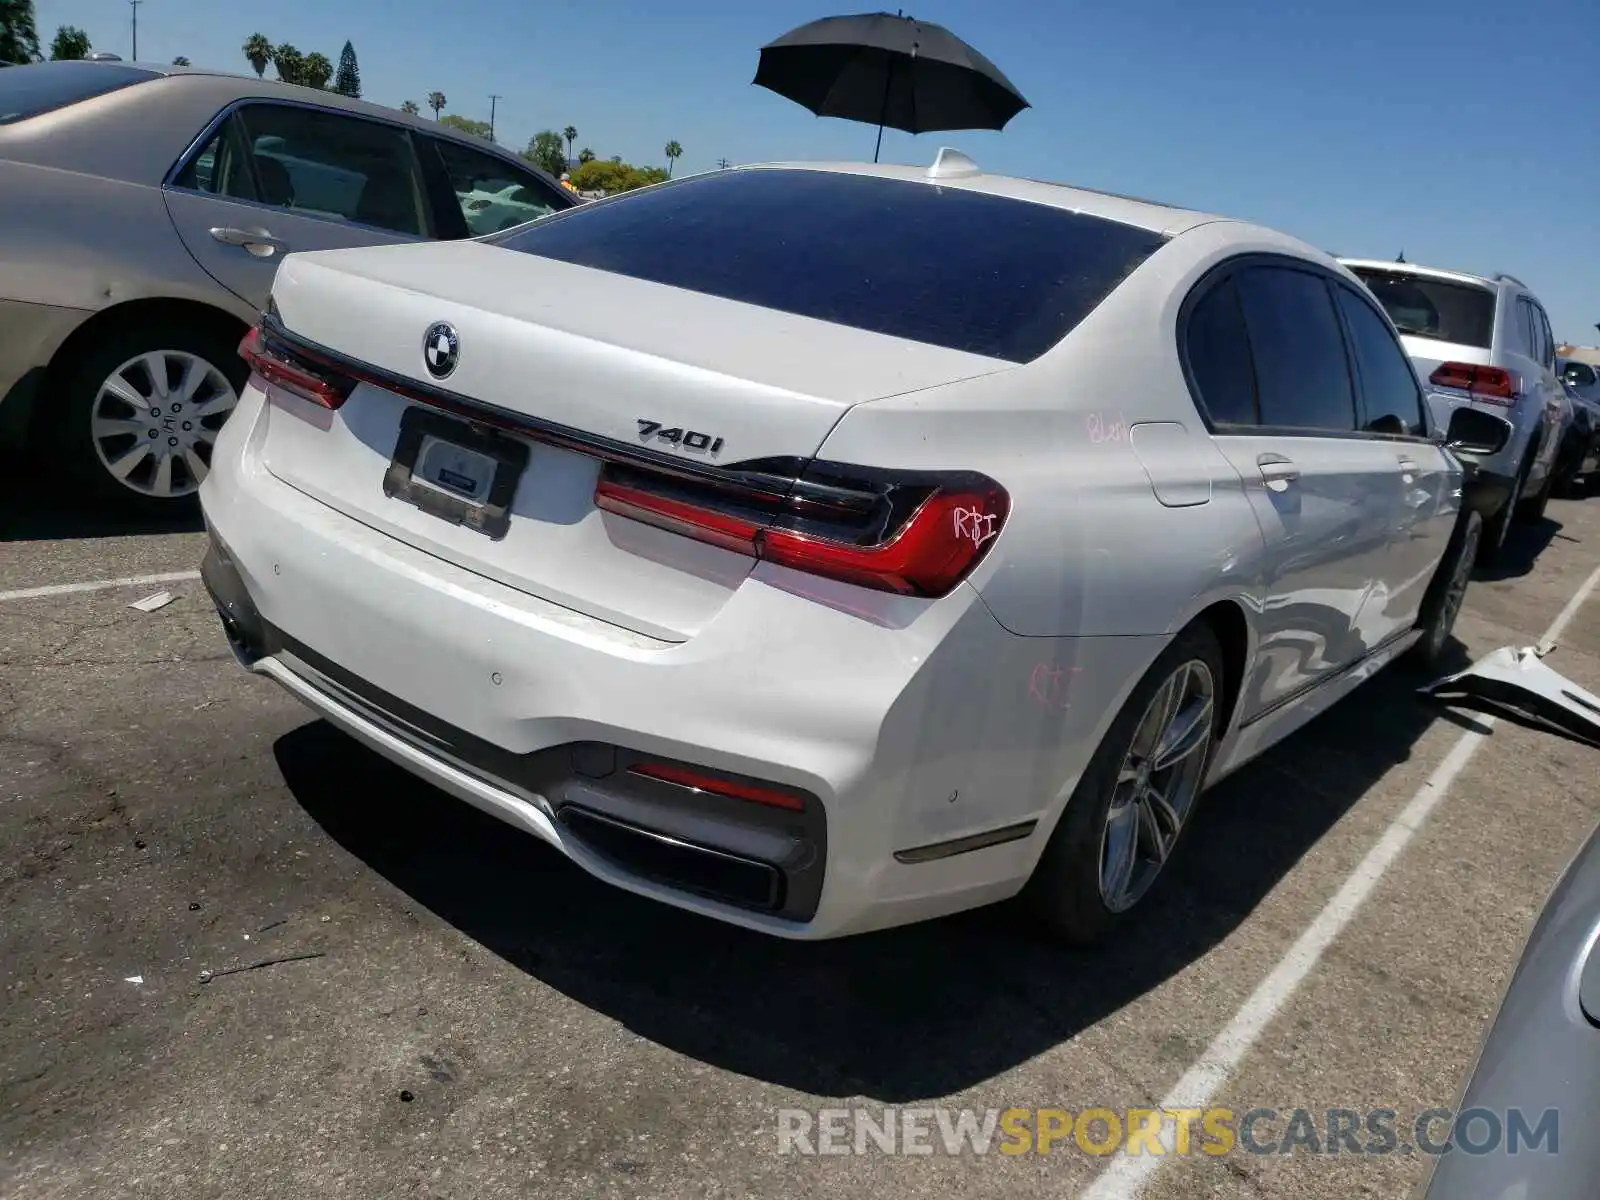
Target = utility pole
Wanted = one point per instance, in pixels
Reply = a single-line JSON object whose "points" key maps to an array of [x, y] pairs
{"points": [[134, 4], [493, 100], [723, 164]]}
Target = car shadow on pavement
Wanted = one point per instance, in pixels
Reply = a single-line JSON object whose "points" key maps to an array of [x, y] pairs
{"points": [[901, 1015], [34, 508], [1524, 545]]}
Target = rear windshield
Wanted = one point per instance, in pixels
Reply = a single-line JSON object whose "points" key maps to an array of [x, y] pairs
{"points": [[44, 87], [983, 274], [1433, 308]]}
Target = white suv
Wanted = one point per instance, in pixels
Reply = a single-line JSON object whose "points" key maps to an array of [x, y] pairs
{"points": [[1483, 342]]}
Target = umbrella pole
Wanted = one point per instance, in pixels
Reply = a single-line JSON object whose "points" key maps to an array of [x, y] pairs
{"points": [[883, 113]]}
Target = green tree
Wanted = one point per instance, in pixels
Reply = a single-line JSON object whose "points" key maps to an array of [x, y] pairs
{"points": [[585, 155], [181, 61], [316, 70], [290, 62], [467, 125], [674, 153], [19, 36], [571, 134], [258, 49], [347, 82], [546, 152], [436, 102], [70, 42], [616, 158], [410, 107], [614, 177]]}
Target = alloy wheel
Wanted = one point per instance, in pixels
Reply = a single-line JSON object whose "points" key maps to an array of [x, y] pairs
{"points": [[155, 420], [1157, 785]]}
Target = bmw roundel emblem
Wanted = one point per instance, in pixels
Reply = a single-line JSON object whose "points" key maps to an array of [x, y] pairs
{"points": [[440, 349]]}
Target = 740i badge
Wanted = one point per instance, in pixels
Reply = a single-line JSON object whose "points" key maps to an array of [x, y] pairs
{"points": [[684, 439]]}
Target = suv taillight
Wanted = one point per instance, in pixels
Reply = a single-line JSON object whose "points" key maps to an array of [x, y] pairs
{"points": [[295, 371], [913, 534], [1493, 384]]}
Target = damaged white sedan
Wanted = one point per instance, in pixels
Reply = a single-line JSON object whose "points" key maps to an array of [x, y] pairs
{"points": [[826, 548]]}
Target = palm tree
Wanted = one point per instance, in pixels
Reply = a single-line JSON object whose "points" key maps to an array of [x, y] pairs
{"points": [[410, 108], [436, 102], [258, 49], [571, 134], [674, 152], [290, 62], [316, 71]]}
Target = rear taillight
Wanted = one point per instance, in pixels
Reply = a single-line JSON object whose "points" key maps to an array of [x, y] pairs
{"points": [[294, 371], [1494, 384], [913, 534]]}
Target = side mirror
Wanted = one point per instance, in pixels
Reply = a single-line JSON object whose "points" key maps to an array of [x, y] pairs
{"points": [[1477, 433]]}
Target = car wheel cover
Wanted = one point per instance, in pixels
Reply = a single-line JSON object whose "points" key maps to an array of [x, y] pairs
{"points": [[1157, 784], [155, 419]]}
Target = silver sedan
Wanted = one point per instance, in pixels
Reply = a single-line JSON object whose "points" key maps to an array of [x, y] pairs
{"points": [[144, 213]]}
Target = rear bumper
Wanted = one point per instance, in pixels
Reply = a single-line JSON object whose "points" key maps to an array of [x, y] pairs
{"points": [[913, 746]]}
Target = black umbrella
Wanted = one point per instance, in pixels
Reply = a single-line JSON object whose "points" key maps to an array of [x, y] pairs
{"points": [[889, 70]]}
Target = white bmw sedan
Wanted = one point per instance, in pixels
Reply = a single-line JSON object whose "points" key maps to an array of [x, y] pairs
{"points": [[822, 548]]}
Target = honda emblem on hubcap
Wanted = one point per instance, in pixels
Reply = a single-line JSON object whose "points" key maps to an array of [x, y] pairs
{"points": [[440, 349]]}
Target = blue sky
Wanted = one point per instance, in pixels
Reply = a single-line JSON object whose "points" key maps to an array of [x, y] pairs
{"points": [[1449, 130]]}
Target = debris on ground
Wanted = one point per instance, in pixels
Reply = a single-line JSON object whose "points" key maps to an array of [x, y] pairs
{"points": [[208, 976], [1514, 681], [151, 603], [134, 979]]}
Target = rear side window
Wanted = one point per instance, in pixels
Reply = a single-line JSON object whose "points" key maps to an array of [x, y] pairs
{"points": [[319, 163], [1218, 351], [38, 88], [1393, 401], [1421, 306], [983, 274], [1302, 372]]}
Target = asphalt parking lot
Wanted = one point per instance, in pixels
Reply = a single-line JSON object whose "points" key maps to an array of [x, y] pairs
{"points": [[481, 1019]]}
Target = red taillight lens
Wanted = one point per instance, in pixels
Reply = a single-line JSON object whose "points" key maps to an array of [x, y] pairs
{"points": [[292, 372], [1493, 384], [685, 777], [916, 539]]}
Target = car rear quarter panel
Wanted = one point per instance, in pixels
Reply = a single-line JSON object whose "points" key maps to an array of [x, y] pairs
{"points": [[87, 242], [1126, 519]]}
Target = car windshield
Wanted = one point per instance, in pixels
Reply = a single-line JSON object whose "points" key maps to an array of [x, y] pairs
{"points": [[39, 88], [946, 266], [1422, 306]]}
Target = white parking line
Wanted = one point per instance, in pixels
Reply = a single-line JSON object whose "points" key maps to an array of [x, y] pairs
{"points": [[1127, 1175], [99, 585]]}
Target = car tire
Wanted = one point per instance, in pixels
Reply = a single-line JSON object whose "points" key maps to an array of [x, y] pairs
{"points": [[1442, 603], [1068, 890], [1498, 526], [1532, 508], [99, 429]]}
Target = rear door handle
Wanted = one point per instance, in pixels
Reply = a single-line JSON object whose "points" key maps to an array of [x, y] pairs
{"points": [[1278, 471], [254, 241], [1409, 466]]}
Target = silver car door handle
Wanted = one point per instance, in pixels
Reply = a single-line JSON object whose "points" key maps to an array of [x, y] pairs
{"points": [[1278, 471], [255, 241], [1409, 467]]}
